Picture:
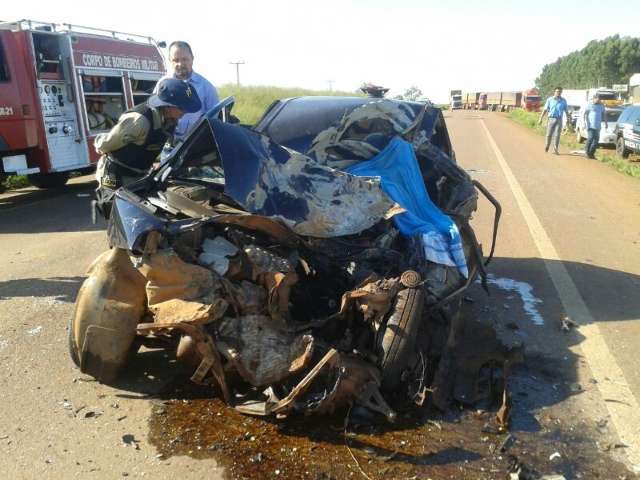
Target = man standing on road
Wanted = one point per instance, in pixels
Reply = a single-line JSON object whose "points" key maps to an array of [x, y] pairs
{"points": [[181, 59], [594, 115], [555, 107]]}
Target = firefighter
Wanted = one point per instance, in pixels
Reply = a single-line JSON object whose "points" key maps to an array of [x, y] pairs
{"points": [[130, 148], [98, 119]]}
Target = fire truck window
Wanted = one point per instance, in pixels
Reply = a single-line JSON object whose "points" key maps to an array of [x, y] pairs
{"points": [[4, 70], [47, 51], [104, 99], [142, 90]]}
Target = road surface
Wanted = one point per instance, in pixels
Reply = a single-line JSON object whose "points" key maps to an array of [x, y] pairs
{"points": [[569, 244]]}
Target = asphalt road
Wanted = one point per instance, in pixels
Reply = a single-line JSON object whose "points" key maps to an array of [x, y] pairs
{"points": [[571, 229], [569, 244]]}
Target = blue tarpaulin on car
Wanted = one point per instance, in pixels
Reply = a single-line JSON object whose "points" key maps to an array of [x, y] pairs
{"points": [[397, 168]]}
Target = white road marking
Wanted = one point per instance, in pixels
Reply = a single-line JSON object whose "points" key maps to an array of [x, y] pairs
{"points": [[614, 388]]}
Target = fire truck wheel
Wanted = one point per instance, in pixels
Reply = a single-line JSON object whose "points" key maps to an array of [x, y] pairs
{"points": [[48, 180]]}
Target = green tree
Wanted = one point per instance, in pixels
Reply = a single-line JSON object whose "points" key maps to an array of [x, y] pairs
{"points": [[600, 63]]}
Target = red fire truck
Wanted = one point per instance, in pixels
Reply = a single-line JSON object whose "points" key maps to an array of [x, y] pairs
{"points": [[61, 85]]}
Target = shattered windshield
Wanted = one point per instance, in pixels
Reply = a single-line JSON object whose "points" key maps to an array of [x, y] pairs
{"points": [[201, 160]]}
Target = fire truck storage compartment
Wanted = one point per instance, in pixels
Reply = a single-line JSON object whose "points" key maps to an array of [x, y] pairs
{"points": [[142, 85], [104, 99]]}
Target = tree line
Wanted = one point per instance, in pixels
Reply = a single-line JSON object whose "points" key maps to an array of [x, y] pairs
{"points": [[601, 63]]}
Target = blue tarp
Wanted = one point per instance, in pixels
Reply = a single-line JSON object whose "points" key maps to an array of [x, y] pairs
{"points": [[397, 168]]}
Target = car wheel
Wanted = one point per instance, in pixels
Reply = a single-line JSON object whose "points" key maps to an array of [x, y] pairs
{"points": [[398, 341], [48, 180], [621, 150]]}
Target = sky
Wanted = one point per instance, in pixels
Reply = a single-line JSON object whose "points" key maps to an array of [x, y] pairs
{"points": [[436, 46]]}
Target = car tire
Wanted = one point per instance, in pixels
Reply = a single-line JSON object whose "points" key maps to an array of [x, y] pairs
{"points": [[48, 180], [621, 150], [398, 341]]}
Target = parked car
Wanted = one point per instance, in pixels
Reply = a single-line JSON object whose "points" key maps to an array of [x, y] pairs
{"points": [[607, 134], [312, 261], [627, 132]]}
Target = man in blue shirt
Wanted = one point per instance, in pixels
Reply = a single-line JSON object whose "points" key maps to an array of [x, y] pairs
{"points": [[594, 115], [181, 59], [555, 107]]}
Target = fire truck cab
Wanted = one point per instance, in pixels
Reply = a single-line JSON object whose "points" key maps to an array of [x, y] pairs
{"points": [[60, 86]]}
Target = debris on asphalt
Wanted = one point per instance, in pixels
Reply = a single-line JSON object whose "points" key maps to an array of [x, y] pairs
{"points": [[554, 455], [129, 440], [566, 324], [503, 416], [506, 443]]}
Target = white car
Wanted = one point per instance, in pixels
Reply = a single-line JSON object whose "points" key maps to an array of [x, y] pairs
{"points": [[607, 135]]}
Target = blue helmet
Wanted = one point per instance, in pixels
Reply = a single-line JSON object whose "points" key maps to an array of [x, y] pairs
{"points": [[172, 92]]}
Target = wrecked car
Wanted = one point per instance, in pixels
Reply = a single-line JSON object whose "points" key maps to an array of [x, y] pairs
{"points": [[312, 261]]}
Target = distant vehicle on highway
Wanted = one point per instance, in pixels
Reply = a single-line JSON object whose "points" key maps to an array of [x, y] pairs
{"points": [[470, 100], [528, 100], [607, 135], [455, 99], [609, 97], [531, 100], [627, 132]]}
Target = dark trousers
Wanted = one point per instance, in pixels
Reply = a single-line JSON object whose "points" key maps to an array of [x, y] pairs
{"points": [[593, 137]]}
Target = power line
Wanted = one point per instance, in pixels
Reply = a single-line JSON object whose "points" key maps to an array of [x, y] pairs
{"points": [[237, 64]]}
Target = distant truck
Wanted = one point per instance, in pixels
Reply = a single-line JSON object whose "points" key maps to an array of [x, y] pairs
{"points": [[482, 101], [455, 97], [503, 101], [531, 100], [470, 100], [609, 97], [506, 101]]}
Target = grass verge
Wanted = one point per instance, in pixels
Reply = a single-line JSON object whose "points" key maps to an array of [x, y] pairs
{"points": [[13, 182], [252, 101], [568, 139]]}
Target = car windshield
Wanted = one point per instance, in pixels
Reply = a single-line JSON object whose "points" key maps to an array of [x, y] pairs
{"points": [[201, 161], [607, 96], [613, 115]]}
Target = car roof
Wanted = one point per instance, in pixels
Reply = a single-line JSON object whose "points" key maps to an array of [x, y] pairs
{"points": [[295, 122]]}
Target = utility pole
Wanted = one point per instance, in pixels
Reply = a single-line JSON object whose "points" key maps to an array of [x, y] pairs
{"points": [[330, 85], [237, 64]]}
